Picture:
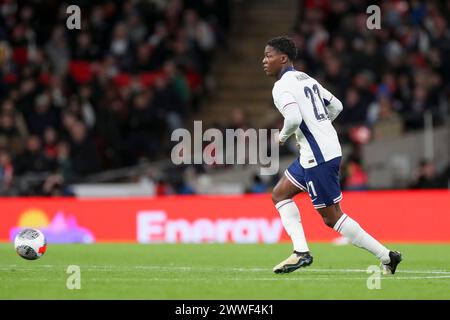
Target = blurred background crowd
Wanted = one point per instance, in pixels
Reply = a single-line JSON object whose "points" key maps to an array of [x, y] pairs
{"points": [[383, 76], [108, 95], [78, 102], [388, 79]]}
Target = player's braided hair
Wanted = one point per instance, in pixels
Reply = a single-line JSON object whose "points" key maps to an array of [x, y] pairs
{"points": [[284, 45]]}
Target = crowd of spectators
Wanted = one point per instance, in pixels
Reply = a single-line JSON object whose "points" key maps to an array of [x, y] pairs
{"points": [[387, 78], [427, 176], [74, 102]]}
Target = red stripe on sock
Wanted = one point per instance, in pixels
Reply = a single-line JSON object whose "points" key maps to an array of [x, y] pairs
{"points": [[338, 228], [283, 205]]}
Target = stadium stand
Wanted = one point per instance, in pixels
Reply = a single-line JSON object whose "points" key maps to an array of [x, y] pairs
{"points": [[76, 102], [98, 104]]}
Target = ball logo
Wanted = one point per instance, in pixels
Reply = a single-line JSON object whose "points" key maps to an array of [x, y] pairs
{"points": [[42, 249], [26, 252], [29, 234]]}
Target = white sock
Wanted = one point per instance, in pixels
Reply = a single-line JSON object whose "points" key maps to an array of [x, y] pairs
{"points": [[290, 217], [351, 229]]}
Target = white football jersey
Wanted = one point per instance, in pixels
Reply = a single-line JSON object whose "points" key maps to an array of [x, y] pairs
{"points": [[316, 135]]}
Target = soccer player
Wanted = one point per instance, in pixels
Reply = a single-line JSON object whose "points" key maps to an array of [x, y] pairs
{"points": [[308, 110]]}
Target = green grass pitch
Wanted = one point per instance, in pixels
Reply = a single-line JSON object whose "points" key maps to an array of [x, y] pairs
{"points": [[220, 271]]}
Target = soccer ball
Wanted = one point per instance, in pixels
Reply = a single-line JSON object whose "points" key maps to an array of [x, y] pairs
{"points": [[30, 244]]}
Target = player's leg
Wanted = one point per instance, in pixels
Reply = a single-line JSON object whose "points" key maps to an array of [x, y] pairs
{"points": [[287, 187], [282, 198], [350, 229], [324, 189]]}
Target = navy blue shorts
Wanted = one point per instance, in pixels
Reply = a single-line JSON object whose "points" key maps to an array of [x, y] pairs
{"points": [[321, 182]]}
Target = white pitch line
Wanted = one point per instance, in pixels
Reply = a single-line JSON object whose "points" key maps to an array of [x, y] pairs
{"points": [[274, 278], [340, 278], [200, 269]]}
